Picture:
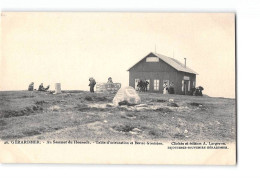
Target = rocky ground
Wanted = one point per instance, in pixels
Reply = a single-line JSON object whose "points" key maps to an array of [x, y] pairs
{"points": [[85, 116]]}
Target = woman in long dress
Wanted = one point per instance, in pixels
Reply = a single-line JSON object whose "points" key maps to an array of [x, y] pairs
{"points": [[165, 88]]}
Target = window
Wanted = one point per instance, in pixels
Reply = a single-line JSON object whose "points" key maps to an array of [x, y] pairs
{"points": [[156, 85], [193, 84], [182, 85], [136, 83], [189, 86]]}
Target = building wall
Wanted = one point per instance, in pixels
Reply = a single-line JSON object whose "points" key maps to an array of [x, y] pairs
{"points": [[161, 71], [179, 81]]}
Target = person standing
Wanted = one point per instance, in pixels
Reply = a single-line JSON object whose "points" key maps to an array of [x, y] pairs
{"points": [[92, 84], [110, 80], [165, 88], [171, 88], [146, 85]]}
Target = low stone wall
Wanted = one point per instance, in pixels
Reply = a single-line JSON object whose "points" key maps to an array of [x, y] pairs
{"points": [[107, 87]]}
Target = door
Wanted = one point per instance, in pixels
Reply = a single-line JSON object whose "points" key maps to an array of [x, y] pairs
{"points": [[148, 86], [136, 83], [186, 86]]}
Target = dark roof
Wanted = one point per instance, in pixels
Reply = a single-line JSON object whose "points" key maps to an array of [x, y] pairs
{"points": [[173, 63]]}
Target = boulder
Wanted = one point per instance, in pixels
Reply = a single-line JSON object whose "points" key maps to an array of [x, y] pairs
{"points": [[126, 95]]}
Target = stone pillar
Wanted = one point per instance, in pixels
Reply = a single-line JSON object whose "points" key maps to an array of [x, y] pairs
{"points": [[57, 88]]}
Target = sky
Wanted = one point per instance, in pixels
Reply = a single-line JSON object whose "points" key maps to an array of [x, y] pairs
{"points": [[68, 48]]}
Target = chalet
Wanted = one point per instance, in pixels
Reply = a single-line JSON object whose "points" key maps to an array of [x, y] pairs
{"points": [[157, 69]]}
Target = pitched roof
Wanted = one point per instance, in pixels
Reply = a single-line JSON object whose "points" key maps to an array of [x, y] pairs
{"points": [[173, 63]]}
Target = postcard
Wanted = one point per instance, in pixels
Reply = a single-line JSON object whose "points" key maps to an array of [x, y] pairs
{"points": [[118, 88]]}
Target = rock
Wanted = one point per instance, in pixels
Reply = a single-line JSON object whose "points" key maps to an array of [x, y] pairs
{"points": [[121, 103], [126, 96], [141, 105], [110, 105], [54, 108], [134, 133], [136, 130], [172, 104], [142, 108], [171, 100], [128, 116], [124, 108], [98, 106]]}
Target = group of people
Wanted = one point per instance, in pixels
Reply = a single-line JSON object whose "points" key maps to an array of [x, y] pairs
{"points": [[92, 83], [41, 87], [142, 85], [197, 91], [193, 92], [168, 89]]}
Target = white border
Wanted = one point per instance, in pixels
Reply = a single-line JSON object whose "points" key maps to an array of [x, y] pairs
{"points": [[248, 57]]}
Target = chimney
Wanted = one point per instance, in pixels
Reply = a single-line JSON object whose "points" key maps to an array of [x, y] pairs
{"points": [[185, 62]]}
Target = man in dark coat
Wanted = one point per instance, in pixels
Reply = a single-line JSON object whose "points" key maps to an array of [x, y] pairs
{"points": [[200, 90], [92, 84], [171, 88], [146, 85]]}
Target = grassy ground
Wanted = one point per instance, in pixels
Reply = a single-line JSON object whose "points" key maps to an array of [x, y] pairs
{"points": [[85, 116]]}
